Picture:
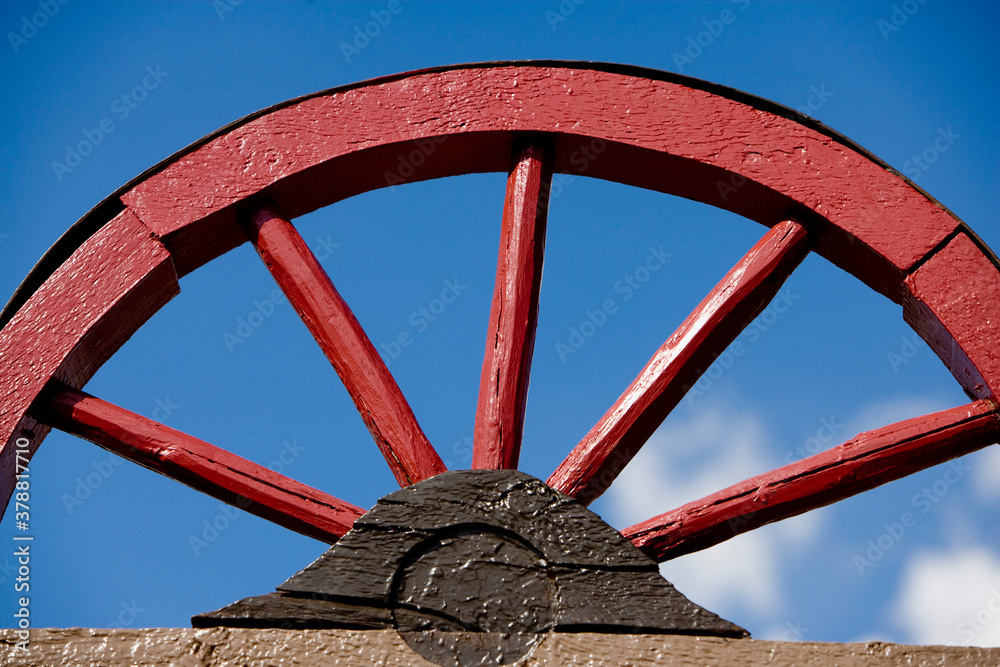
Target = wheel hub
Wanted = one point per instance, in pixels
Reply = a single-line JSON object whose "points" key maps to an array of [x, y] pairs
{"points": [[472, 567]]}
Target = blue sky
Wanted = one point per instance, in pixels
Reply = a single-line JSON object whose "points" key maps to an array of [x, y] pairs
{"points": [[119, 545]]}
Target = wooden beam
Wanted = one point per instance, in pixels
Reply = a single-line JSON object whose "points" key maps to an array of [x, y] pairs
{"points": [[605, 451], [950, 297], [73, 323], [223, 647], [503, 387], [372, 388], [516, 558], [204, 467], [868, 460]]}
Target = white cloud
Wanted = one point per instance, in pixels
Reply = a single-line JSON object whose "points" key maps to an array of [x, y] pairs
{"points": [[685, 460], [742, 573], [950, 597], [986, 473], [746, 577], [688, 459]]}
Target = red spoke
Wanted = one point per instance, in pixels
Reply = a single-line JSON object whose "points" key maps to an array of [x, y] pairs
{"points": [[209, 469], [869, 460], [375, 393], [503, 386], [602, 454]]}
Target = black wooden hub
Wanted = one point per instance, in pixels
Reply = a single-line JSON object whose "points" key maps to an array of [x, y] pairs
{"points": [[476, 580], [471, 567]]}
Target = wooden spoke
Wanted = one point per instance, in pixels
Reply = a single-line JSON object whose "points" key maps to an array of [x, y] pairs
{"points": [[117, 266], [209, 469], [375, 393], [510, 341], [869, 460], [719, 318]]}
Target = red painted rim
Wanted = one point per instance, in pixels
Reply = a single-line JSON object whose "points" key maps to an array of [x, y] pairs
{"points": [[816, 190]]}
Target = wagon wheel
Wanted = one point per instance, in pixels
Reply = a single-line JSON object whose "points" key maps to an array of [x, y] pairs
{"points": [[813, 189]]}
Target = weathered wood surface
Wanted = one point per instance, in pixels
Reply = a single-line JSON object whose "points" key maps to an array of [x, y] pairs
{"points": [[540, 515], [665, 132], [202, 466], [328, 317], [479, 552], [75, 321], [510, 340], [660, 131], [727, 310], [238, 647], [950, 305], [283, 610], [864, 462], [469, 599]]}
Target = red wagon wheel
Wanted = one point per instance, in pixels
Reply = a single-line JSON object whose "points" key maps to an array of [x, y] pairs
{"points": [[813, 189]]}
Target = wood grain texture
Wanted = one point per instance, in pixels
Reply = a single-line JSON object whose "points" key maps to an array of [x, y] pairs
{"points": [[663, 132], [727, 310], [365, 376], [952, 305], [481, 551], [75, 321], [363, 569], [656, 130], [236, 647], [543, 517], [209, 469], [503, 387], [484, 594], [282, 610], [627, 597], [864, 462]]}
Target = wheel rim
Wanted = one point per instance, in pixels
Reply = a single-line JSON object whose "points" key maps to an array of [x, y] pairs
{"points": [[815, 190]]}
